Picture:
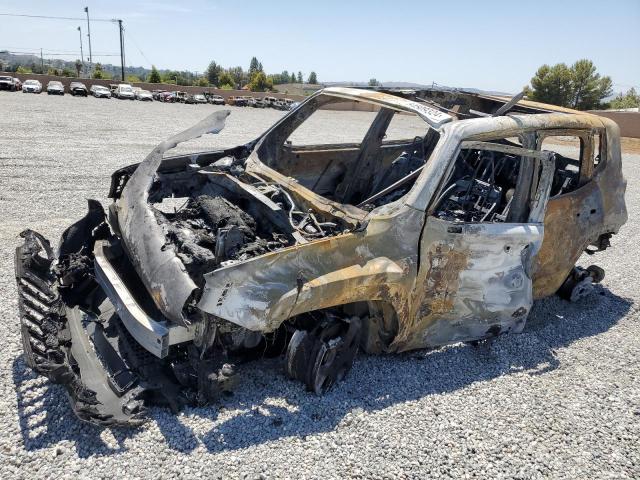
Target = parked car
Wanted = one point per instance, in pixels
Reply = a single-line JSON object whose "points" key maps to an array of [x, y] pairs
{"points": [[443, 238], [216, 100], [7, 83], [54, 87], [31, 86], [100, 91], [18, 83], [144, 95], [241, 101], [280, 105], [156, 94], [180, 96], [196, 99], [168, 97], [124, 92], [256, 102], [78, 88], [269, 101], [294, 105], [113, 87]]}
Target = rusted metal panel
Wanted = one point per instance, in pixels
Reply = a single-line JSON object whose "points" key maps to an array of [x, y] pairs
{"points": [[376, 264], [472, 283]]}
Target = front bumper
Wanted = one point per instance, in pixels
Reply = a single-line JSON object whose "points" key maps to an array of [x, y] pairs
{"points": [[63, 343]]}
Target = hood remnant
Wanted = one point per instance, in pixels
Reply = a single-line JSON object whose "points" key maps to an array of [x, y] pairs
{"points": [[142, 235], [440, 224]]}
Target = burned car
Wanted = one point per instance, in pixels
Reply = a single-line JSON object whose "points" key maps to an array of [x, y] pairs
{"points": [[411, 237]]}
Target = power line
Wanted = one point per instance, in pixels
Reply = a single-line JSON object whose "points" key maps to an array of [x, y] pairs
{"points": [[50, 50], [61, 54], [56, 18], [136, 45]]}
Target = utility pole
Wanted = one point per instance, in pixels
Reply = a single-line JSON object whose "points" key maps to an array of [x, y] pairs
{"points": [[86, 9], [81, 52], [121, 47], [41, 62]]}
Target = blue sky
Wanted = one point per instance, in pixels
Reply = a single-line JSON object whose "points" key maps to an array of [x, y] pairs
{"points": [[494, 45]]}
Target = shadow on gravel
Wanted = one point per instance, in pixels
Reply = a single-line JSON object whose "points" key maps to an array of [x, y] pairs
{"points": [[46, 418], [376, 382]]}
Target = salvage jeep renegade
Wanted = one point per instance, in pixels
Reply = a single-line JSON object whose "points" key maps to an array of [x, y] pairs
{"points": [[314, 251]]}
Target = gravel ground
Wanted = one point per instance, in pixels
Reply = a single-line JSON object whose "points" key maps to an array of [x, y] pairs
{"points": [[561, 400]]}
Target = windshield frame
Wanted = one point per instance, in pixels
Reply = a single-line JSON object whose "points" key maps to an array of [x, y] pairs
{"points": [[277, 134]]}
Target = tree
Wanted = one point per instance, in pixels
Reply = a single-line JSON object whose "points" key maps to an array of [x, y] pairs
{"points": [[299, 79], [578, 86], [313, 78], [176, 78], [552, 85], [226, 80], [237, 76], [631, 99], [588, 87], [98, 73], [20, 69], [202, 82], [154, 76], [254, 67], [293, 78], [373, 82], [259, 82], [66, 72], [133, 79], [53, 71], [213, 73], [78, 66]]}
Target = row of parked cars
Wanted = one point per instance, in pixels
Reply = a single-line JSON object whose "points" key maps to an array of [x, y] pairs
{"points": [[125, 91], [184, 97], [263, 102], [239, 101]]}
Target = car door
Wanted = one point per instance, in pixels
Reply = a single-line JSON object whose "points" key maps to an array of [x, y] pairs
{"points": [[474, 277], [575, 214]]}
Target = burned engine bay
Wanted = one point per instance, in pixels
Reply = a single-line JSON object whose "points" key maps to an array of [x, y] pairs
{"points": [[230, 216]]}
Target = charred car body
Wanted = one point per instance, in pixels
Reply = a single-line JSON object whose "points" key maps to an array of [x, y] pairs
{"points": [[313, 251]]}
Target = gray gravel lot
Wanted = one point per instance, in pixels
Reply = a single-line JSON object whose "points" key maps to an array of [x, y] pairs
{"points": [[561, 400]]}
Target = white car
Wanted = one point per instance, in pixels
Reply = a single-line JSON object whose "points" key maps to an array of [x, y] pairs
{"points": [[144, 95], [31, 86], [100, 91], [124, 91]]}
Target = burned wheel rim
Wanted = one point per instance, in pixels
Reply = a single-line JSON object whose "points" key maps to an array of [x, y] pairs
{"points": [[334, 355], [323, 357]]}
